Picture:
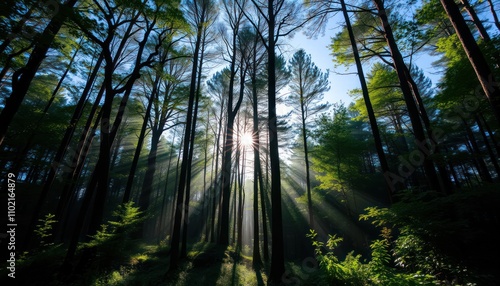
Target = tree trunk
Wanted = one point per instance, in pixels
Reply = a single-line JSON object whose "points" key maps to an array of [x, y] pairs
{"points": [[371, 114], [476, 153], [227, 149], [278, 252], [71, 186], [475, 19], [206, 193], [433, 145], [142, 135], [217, 180], [413, 113], [161, 232], [494, 14], [22, 78], [306, 157], [176, 235], [256, 259], [147, 186], [490, 134], [183, 253], [22, 155], [493, 158], [490, 85], [58, 158]]}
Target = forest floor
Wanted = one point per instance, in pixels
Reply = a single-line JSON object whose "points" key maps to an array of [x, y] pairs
{"points": [[205, 264]]}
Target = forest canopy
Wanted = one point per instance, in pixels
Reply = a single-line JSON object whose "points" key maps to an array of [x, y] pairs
{"points": [[185, 142]]}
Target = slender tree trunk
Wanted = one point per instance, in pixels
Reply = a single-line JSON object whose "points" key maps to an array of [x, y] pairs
{"points": [[183, 253], [161, 232], [256, 259], [486, 77], [476, 152], [147, 186], [216, 188], [206, 193], [493, 158], [63, 147], [433, 147], [22, 78], [278, 252], [369, 108], [475, 19], [27, 145], [227, 149], [306, 157], [77, 164], [234, 206], [241, 201], [490, 134], [264, 202], [410, 102], [176, 235], [494, 14], [174, 201], [142, 135]]}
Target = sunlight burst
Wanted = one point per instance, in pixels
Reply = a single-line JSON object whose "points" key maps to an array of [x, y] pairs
{"points": [[246, 139]]}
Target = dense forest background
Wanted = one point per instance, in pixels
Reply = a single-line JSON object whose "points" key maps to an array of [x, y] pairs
{"points": [[151, 142]]}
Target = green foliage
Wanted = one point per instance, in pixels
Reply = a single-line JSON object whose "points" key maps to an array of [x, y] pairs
{"points": [[426, 239], [337, 155], [43, 230], [446, 236], [385, 95], [353, 271], [111, 242]]}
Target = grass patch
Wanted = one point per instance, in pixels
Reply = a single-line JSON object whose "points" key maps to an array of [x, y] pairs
{"points": [[205, 264]]}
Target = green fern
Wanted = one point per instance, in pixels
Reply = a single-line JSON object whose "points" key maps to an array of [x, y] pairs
{"points": [[43, 231]]}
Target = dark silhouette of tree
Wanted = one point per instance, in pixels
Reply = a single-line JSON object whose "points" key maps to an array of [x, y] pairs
{"points": [[487, 79], [200, 14], [22, 78]]}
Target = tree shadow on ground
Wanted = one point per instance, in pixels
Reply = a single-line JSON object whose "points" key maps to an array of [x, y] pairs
{"points": [[201, 267]]}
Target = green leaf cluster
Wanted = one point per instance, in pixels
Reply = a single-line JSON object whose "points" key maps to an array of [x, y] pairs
{"points": [[111, 242], [448, 237], [43, 230], [353, 270]]}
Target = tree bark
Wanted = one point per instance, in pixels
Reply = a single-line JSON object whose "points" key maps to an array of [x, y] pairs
{"points": [[486, 77], [142, 135], [413, 113], [476, 153], [22, 78], [61, 151], [256, 259], [176, 235], [494, 14], [278, 252]]}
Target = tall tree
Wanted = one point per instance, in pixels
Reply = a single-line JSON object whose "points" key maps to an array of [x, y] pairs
{"points": [[145, 56], [254, 66], [199, 13], [22, 78], [308, 84], [366, 98], [234, 16], [411, 105], [486, 77], [282, 19]]}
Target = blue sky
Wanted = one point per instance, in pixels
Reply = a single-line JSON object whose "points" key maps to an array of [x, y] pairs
{"points": [[343, 79]]}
